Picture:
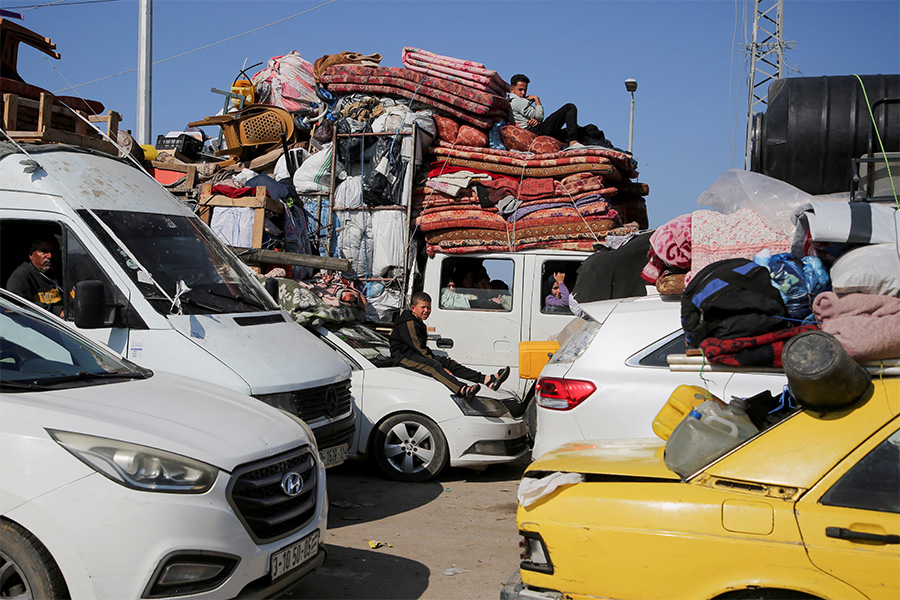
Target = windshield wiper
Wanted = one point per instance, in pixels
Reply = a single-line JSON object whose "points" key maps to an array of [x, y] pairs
{"points": [[239, 298], [21, 386], [185, 299], [88, 375]]}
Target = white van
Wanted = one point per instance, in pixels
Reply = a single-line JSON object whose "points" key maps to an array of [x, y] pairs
{"points": [[170, 295], [483, 335]]}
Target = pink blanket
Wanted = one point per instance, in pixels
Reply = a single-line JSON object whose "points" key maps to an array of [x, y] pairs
{"points": [[465, 72], [741, 234], [866, 325]]}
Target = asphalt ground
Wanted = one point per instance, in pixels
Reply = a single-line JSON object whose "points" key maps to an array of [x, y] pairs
{"points": [[453, 538]]}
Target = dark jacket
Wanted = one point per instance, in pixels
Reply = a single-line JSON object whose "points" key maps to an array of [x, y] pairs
{"points": [[31, 284], [409, 337]]}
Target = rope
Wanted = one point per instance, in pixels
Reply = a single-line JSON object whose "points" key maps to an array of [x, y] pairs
{"points": [[878, 136]]}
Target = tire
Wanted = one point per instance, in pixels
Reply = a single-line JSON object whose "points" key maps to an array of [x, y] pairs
{"points": [[27, 570], [410, 447]]}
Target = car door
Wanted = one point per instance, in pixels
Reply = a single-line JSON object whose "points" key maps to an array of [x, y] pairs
{"points": [[850, 521], [476, 331]]}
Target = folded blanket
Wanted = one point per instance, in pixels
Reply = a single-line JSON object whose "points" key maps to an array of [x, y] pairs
{"points": [[464, 72], [741, 234], [344, 58], [622, 161], [553, 168], [756, 351], [866, 325]]}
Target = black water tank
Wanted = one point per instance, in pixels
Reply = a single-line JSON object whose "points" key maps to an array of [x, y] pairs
{"points": [[814, 127]]}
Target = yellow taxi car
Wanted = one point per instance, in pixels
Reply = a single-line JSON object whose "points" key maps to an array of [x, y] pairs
{"points": [[809, 508]]}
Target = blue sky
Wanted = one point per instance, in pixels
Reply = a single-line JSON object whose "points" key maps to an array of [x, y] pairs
{"points": [[687, 56]]}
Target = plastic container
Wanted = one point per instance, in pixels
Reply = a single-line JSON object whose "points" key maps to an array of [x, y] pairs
{"points": [[533, 356], [683, 400], [814, 127], [821, 374], [243, 88], [184, 143], [705, 434]]}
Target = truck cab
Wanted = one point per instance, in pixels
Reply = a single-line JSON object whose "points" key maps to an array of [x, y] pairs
{"points": [[481, 327], [140, 272]]}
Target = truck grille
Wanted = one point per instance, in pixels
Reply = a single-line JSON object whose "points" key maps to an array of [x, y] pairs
{"points": [[324, 401], [259, 499]]}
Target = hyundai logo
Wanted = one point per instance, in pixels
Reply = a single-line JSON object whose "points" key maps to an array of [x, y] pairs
{"points": [[292, 483]]}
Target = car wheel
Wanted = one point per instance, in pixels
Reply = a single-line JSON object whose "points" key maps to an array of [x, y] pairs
{"points": [[27, 570], [409, 447]]}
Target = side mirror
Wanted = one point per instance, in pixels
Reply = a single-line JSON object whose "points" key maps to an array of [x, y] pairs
{"points": [[89, 305], [271, 286]]}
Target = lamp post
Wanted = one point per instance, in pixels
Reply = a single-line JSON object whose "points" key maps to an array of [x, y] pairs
{"points": [[631, 86]]}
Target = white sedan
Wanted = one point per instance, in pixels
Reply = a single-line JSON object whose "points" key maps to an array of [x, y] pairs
{"points": [[611, 377], [411, 425], [123, 483]]}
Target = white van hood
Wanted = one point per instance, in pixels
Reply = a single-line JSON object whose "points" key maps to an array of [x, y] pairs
{"points": [[189, 417], [268, 350]]}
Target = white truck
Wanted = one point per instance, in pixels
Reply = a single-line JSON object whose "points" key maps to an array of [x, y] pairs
{"points": [[144, 275], [487, 339]]}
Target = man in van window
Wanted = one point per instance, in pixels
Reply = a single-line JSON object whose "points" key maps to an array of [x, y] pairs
{"points": [[36, 279], [409, 349]]}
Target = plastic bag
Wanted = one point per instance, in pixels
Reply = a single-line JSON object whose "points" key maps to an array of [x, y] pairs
{"points": [[773, 200], [790, 281], [286, 82]]}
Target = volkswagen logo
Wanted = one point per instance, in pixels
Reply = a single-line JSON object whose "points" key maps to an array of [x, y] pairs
{"points": [[332, 405], [292, 483]]}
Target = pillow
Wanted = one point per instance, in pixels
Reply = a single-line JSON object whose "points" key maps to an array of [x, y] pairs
{"points": [[469, 136], [516, 138], [872, 269], [544, 144], [447, 129]]}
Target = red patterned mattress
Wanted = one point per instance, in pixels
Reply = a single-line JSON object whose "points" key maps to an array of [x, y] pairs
{"points": [[622, 161], [464, 72], [477, 108]]}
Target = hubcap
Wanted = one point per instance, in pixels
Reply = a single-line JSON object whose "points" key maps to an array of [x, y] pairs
{"points": [[409, 447]]}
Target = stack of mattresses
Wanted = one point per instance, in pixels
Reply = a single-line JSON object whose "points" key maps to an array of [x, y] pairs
{"points": [[516, 201], [477, 108]]}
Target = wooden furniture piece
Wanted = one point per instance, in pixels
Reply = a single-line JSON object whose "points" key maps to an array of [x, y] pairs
{"points": [[259, 202], [168, 173]]}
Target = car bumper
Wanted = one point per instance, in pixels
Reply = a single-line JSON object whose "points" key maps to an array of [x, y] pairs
{"points": [[516, 590], [482, 441], [110, 541]]}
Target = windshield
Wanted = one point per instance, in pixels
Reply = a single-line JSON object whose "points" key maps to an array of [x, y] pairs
{"points": [[37, 353], [373, 346], [178, 251]]}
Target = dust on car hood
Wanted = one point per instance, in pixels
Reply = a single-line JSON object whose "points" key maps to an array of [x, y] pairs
{"points": [[623, 458]]}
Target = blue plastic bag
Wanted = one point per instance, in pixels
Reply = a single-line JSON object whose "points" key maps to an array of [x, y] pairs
{"points": [[788, 277]]}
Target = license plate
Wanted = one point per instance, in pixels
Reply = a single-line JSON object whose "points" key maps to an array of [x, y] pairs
{"points": [[293, 556], [333, 456]]}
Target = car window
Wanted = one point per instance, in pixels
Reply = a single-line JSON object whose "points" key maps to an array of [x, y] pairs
{"points": [[476, 284], [873, 482], [656, 357], [38, 351], [554, 300]]}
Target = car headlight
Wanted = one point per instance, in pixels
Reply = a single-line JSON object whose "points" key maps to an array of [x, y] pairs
{"points": [[306, 428], [575, 346], [480, 406], [138, 467]]}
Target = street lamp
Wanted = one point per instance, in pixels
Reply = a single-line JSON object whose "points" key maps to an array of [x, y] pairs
{"points": [[631, 86]]}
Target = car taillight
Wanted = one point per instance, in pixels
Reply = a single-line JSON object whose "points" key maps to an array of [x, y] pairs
{"points": [[562, 394]]}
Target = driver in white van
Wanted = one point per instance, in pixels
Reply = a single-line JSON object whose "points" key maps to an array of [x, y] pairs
{"points": [[36, 279]]}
